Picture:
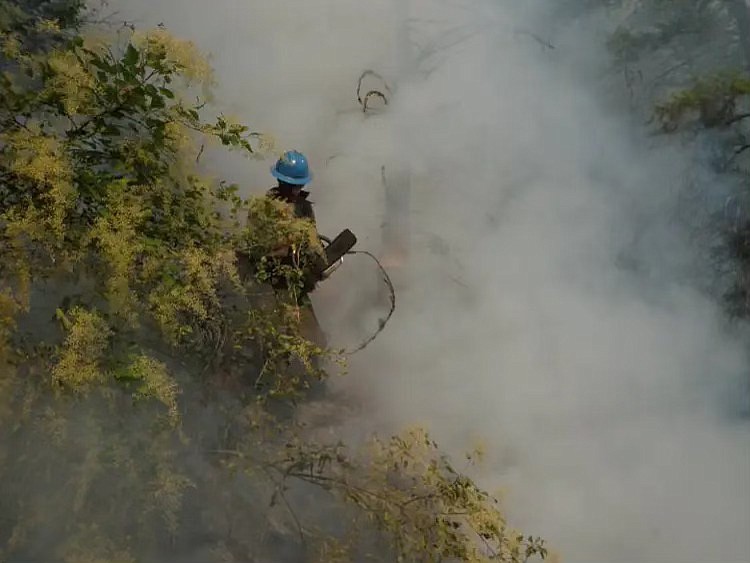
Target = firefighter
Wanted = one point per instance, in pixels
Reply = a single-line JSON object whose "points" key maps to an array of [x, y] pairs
{"points": [[292, 172]]}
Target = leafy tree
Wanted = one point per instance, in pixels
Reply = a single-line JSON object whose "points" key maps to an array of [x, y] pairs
{"points": [[684, 67], [165, 364]]}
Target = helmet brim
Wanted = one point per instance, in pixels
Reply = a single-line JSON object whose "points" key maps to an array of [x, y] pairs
{"points": [[288, 179]]}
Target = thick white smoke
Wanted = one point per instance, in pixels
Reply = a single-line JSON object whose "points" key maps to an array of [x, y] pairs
{"points": [[598, 389]]}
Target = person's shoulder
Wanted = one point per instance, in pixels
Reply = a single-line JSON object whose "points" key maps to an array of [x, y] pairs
{"points": [[306, 206], [273, 192]]}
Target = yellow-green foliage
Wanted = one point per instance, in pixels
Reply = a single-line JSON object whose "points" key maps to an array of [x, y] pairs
{"points": [[403, 486], [8, 311], [98, 181], [429, 510], [154, 383], [189, 296], [99, 192], [272, 224], [167, 489], [10, 47], [182, 55], [38, 160], [116, 235], [86, 342], [275, 329], [71, 82], [712, 100]]}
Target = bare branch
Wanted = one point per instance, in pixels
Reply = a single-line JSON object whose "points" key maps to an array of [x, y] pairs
{"points": [[543, 42], [738, 117]]}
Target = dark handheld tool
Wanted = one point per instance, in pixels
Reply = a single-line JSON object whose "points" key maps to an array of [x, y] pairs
{"points": [[336, 249]]}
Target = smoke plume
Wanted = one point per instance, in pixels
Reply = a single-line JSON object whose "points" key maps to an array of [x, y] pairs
{"points": [[546, 307]]}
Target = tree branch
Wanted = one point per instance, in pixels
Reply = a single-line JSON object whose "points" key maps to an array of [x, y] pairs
{"points": [[280, 490], [738, 117]]}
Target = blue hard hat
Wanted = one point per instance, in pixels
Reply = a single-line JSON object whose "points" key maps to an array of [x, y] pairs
{"points": [[292, 168]]}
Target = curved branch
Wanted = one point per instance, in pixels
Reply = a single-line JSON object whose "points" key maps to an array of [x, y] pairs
{"points": [[370, 94], [738, 117], [374, 74]]}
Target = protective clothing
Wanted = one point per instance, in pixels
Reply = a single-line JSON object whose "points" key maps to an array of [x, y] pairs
{"points": [[292, 168], [303, 208]]}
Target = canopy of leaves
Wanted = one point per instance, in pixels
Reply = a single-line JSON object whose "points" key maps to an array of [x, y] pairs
{"points": [[134, 352], [683, 67], [660, 46], [715, 101]]}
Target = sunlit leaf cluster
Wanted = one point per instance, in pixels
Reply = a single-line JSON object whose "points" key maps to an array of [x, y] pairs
{"points": [[148, 326]]}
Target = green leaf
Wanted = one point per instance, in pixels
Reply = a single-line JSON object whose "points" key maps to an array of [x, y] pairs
{"points": [[157, 102], [101, 64], [131, 56]]}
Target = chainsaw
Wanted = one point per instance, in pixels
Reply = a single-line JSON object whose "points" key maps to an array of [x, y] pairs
{"points": [[335, 250]]}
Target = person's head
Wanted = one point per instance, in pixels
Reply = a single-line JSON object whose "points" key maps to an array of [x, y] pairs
{"points": [[289, 190], [292, 171]]}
